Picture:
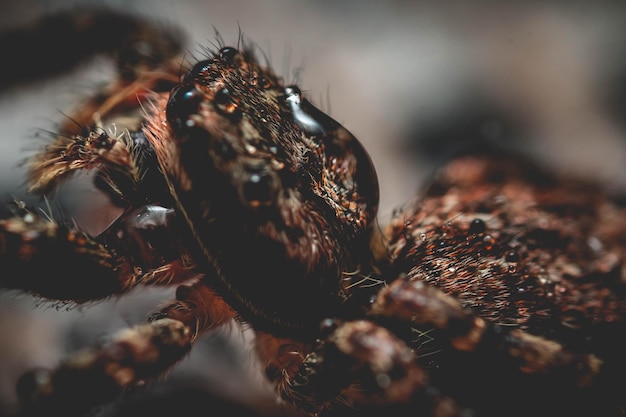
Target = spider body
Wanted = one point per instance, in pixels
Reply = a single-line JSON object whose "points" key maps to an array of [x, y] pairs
{"points": [[287, 186], [262, 208], [521, 250]]}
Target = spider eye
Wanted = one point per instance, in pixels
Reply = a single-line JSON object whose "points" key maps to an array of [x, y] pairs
{"points": [[477, 226], [200, 71], [227, 54], [258, 189], [184, 101], [339, 144], [226, 103], [301, 110], [293, 92]]}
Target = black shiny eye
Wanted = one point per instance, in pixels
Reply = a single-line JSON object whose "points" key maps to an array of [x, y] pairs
{"points": [[339, 143], [477, 226], [311, 120], [200, 71], [227, 54], [184, 101], [293, 94], [226, 103], [293, 90], [264, 83], [258, 189], [260, 82]]}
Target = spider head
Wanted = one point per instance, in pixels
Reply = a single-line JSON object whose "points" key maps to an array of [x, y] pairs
{"points": [[253, 161], [233, 121]]}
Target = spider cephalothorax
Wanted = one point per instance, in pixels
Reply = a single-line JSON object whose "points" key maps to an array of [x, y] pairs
{"points": [[288, 190], [262, 209]]}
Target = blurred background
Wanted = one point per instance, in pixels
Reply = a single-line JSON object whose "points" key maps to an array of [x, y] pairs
{"points": [[415, 81]]}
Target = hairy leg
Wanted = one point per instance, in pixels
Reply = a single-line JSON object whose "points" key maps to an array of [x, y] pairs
{"points": [[426, 307], [361, 367], [357, 366], [138, 354], [62, 40], [60, 262], [539, 375]]}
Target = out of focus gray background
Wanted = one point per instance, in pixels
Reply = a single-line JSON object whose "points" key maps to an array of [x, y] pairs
{"points": [[413, 80]]}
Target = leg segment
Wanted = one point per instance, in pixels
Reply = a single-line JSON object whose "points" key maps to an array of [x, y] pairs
{"points": [[490, 368], [141, 353], [42, 257], [96, 376], [426, 307], [360, 367], [64, 39], [127, 169], [58, 262]]}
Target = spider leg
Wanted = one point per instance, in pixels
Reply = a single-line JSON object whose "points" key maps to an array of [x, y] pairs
{"points": [[65, 39], [144, 52], [360, 366], [426, 307], [146, 56], [97, 375], [33, 249], [528, 365], [127, 169]]}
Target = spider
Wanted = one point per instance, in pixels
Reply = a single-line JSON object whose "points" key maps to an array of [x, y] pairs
{"points": [[499, 290]]}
